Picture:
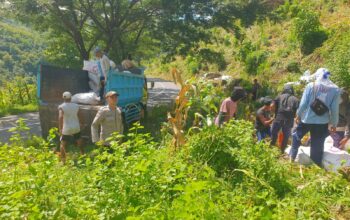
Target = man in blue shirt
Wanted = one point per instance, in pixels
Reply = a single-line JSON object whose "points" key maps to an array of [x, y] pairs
{"points": [[308, 121]]}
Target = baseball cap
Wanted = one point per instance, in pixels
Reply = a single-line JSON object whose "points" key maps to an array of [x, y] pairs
{"points": [[111, 93], [67, 95]]}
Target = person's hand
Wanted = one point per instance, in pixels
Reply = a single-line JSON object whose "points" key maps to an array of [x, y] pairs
{"points": [[297, 120], [333, 129], [343, 142]]}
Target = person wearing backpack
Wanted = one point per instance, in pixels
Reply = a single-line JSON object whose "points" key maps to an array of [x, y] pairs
{"points": [[286, 106], [318, 110]]}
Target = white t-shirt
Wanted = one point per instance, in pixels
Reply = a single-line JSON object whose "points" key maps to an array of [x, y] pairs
{"points": [[70, 118]]}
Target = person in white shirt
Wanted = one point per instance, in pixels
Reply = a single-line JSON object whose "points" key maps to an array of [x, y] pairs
{"points": [[68, 124], [103, 63]]}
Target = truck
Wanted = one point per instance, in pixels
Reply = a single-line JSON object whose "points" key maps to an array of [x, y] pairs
{"points": [[53, 81]]}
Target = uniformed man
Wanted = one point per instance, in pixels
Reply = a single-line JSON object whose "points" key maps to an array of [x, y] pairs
{"points": [[108, 118]]}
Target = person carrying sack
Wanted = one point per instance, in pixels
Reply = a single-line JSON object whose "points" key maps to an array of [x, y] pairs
{"points": [[319, 107], [286, 106]]}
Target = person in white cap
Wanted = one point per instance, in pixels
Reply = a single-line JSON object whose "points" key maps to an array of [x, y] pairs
{"points": [[109, 118], [103, 64], [68, 124]]}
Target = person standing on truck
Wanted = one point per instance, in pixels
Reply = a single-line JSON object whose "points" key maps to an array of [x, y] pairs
{"points": [[103, 64], [286, 106], [108, 118], [68, 124]]}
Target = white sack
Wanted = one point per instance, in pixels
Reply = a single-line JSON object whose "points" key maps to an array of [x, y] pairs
{"points": [[89, 98], [333, 158]]}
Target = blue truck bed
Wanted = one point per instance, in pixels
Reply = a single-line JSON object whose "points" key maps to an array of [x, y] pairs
{"points": [[53, 81]]}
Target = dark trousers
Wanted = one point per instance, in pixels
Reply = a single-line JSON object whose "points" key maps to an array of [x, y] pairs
{"points": [[318, 133], [337, 137], [286, 127]]}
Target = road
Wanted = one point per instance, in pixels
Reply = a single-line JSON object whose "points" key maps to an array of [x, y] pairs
{"points": [[163, 93]]}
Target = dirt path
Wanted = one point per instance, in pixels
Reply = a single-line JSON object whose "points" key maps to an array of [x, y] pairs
{"points": [[163, 93]]}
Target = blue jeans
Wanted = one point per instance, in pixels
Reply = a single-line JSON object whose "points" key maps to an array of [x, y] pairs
{"points": [[263, 134], [318, 133], [286, 127]]}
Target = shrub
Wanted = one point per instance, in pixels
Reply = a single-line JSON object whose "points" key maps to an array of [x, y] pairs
{"points": [[307, 31], [254, 61]]}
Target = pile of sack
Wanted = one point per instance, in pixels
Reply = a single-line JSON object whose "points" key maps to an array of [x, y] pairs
{"points": [[333, 158], [91, 98]]}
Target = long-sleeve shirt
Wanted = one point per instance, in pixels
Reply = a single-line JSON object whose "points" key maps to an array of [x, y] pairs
{"points": [[329, 95], [104, 67], [110, 121]]}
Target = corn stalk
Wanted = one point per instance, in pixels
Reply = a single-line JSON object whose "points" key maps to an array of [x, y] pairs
{"points": [[177, 120]]}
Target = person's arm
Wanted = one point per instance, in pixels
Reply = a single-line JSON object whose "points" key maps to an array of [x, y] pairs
{"points": [[95, 126], [60, 120], [81, 119], [120, 122], [334, 119], [223, 112], [305, 100], [266, 122], [221, 118]]}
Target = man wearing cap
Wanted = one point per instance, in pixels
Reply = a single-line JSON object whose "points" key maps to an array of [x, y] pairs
{"points": [[263, 121], [68, 124], [103, 64], [109, 118]]}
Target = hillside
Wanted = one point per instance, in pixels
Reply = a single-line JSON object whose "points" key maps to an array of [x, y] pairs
{"points": [[277, 48], [20, 49]]}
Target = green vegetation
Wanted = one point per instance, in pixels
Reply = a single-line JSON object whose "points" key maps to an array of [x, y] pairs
{"points": [[20, 49], [212, 173], [218, 174], [18, 95]]}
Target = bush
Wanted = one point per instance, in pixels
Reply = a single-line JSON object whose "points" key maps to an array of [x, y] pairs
{"points": [[254, 61], [293, 67], [308, 32], [220, 174]]}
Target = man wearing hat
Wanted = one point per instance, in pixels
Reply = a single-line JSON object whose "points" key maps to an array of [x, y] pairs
{"points": [[103, 64], [109, 118], [68, 124], [263, 121]]}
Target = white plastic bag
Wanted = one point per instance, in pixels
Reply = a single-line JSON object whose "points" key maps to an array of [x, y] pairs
{"points": [[89, 98], [92, 68], [333, 158]]}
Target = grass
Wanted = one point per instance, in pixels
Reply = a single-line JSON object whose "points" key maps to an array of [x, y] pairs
{"points": [[18, 109]]}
